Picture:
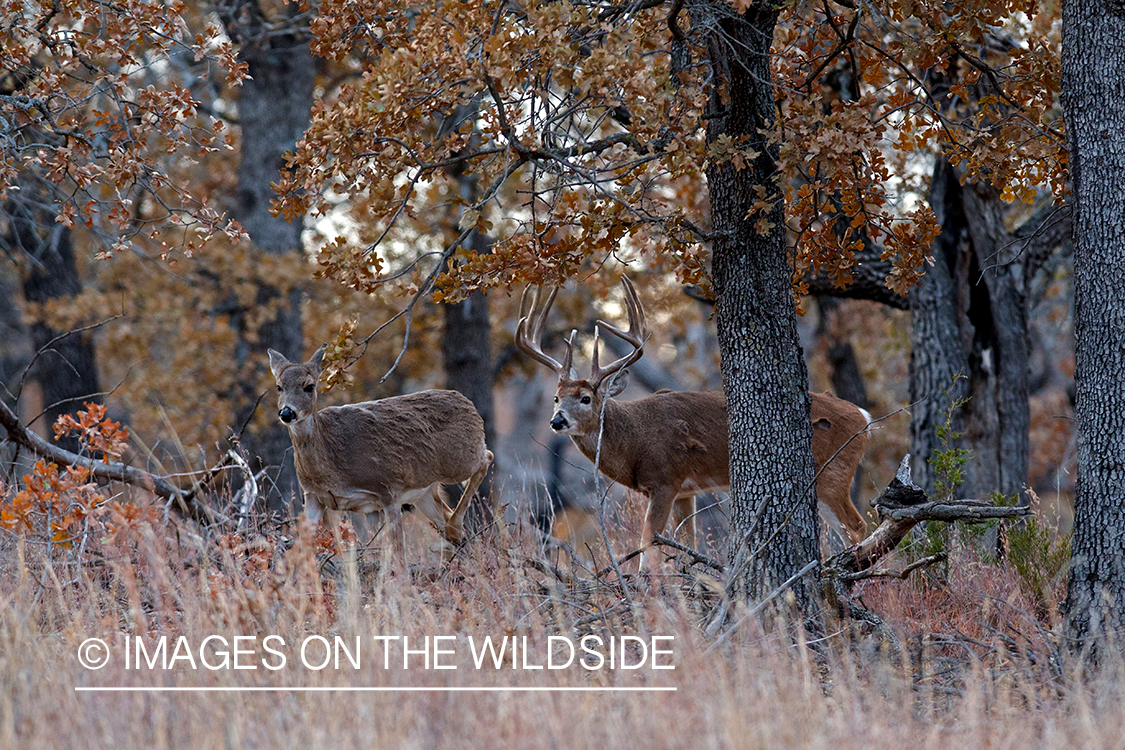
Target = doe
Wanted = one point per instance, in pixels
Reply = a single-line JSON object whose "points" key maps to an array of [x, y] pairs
{"points": [[387, 455]]}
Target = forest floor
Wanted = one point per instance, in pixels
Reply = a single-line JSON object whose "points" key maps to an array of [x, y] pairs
{"points": [[975, 664]]}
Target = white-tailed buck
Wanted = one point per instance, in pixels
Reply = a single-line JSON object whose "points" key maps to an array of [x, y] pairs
{"points": [[381, 455], [672, 445]]}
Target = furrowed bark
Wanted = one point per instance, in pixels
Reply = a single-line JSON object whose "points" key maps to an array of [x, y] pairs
{"points": [[772, 506], [1093, 69]]}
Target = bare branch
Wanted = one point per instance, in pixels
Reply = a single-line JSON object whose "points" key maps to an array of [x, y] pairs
{"points": [[695, 555], [113, 471], [899, 574]]}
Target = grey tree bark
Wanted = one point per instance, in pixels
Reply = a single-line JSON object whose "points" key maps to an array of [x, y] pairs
{"points": [[936, 352], [772, 505], [273, 110], [1093, 98], [970, 317], [466, 347], [1000, 370]]}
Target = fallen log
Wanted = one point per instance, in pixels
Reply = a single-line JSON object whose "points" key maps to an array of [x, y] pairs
{"points": [[902, 506]]}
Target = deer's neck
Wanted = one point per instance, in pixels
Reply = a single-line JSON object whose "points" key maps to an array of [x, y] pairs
{"points": [[309, 451], [613, 461], [304, 432]]}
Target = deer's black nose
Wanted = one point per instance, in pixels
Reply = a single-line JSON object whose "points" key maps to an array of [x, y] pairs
{"points": [[287, 415], [558, 422]]}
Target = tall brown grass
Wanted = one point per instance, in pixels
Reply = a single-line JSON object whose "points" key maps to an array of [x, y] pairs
{"points": [[759, 690], [975, 667]]}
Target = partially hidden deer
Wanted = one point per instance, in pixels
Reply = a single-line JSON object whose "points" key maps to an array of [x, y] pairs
{"points": [[386, 455], [672, 445]]}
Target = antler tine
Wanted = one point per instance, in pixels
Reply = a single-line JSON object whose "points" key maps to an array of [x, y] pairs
{"points": [[637, 335], [637, 317], [567, 367], [535, 317], [594, 369]]}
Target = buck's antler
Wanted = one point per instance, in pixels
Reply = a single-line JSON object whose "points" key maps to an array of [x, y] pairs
{"points": [[636, 336], [529, 331]]}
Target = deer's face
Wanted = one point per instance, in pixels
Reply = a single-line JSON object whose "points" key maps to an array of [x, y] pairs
{"points": [[296, 387], [296, 393], [578, 405]]}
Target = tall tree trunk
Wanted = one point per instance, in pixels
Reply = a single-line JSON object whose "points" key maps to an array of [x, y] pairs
{"points": [[66, 370], [773, 506], [274, 105], [970, 318], [466, 347], [936, 352], [1093, 72], [1002, 270]]}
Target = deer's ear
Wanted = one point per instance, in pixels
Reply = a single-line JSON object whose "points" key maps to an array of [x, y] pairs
{"points": [[277, 363], [317, 358], [617, 383]]}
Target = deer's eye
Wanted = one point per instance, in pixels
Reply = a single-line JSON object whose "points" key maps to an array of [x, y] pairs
{"points": [[556, 399], [279, 389], [309, 388], [585, 399]]}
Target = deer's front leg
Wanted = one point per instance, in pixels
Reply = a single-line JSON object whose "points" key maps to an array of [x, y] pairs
{"points": [[393, 517], [656, 519]]}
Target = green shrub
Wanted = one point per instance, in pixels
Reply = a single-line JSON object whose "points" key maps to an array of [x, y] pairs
{"points": [[947, 464], [1039, 556]]}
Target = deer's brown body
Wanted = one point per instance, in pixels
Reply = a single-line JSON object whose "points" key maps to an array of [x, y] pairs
{"points": [[672, 445], [381, 455], [684, 461]]}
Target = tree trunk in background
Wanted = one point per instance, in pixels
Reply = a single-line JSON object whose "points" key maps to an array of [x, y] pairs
{"points": [[847, 380], [466, 347], [273, 109], [970, 316], [66, 371], [466, 343], [772, 504], [1001, 370], [936, 352], [15, 343], [1093, 72]]}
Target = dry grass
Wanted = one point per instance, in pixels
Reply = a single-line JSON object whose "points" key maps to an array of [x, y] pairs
{"points": [[973, 672]]}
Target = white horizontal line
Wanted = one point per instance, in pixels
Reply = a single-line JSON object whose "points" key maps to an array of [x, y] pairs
{"points": [[410, 689]]}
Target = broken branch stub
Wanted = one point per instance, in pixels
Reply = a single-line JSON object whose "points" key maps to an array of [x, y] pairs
{"points": [[902, 506]]}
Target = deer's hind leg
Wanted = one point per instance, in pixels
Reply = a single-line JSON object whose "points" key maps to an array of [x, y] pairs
{"points": [[454, 525], [683, 519]]}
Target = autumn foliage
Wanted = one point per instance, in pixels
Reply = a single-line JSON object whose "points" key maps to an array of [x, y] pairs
{"points": [[581, 125], [90, 117], [64, 506]]}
